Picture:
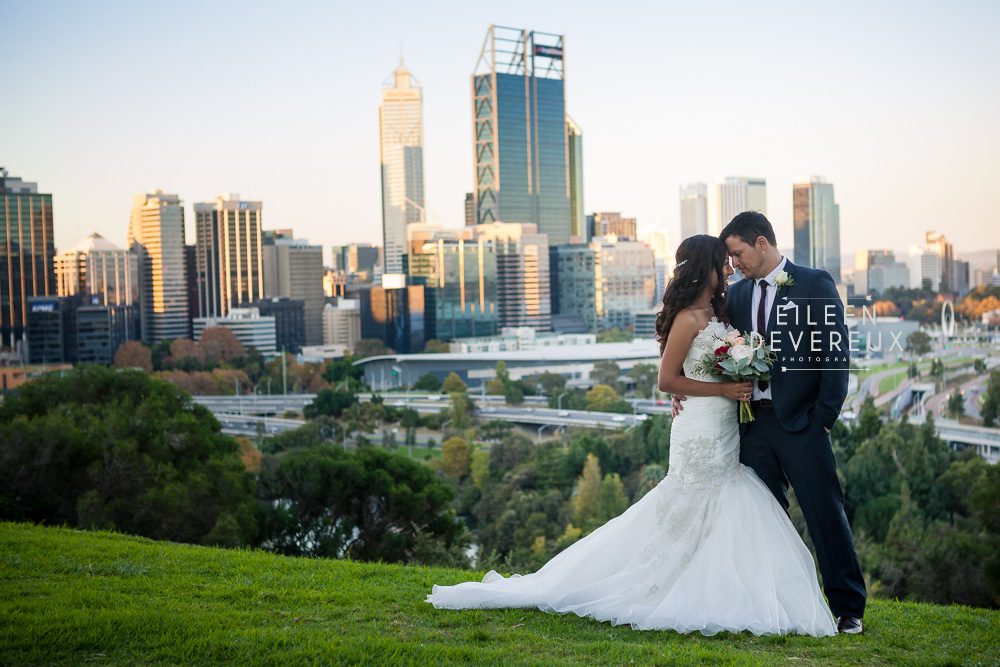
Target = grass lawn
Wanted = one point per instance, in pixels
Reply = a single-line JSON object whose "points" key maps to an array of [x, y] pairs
{"points": [[74, 597]]}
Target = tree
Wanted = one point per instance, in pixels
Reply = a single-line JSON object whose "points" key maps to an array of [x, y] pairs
{"points": [[462, 409], [601, 397], [615, 335], [185, 355], [607, 373], [587, 496], [551, 383], [956, 404], [330, 403], [134, 354], [371, 347], [918, 343], [453, 383], [613, 500], [455, 457], [436, 346], [428, 382], [480, 467], [220, 345], [495, 387], [367, 504], [119, 450], [644, 376]]}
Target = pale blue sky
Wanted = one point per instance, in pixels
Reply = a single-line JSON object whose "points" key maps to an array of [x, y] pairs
{"points": [[896, 103]]}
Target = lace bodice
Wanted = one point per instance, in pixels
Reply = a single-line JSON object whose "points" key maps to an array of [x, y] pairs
{"points": [[705, 342]]}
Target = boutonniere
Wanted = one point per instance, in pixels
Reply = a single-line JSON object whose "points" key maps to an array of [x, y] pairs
{"points": [[783, 280]]}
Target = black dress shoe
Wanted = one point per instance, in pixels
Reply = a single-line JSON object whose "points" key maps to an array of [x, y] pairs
{"points": [[850, 625]]}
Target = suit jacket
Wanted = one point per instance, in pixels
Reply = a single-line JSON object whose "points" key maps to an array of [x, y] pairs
{"points": [[805, 327]]}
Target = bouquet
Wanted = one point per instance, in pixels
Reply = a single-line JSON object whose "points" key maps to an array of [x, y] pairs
{"points": [[738, 360]]}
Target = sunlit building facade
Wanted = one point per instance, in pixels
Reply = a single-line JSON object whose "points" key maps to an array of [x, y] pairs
{"points": [[401, 134], [523, 287], [27, 250], [521, 159], [816, 226], [229, 254], [459, 272], [97, 267], [694, 209], [156, 235], [738, 194]]}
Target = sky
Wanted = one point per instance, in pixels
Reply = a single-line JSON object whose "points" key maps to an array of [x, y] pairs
{"points": [[896, 103]]}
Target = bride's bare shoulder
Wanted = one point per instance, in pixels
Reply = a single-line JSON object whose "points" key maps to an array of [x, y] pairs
{"points": [[690, 321]]}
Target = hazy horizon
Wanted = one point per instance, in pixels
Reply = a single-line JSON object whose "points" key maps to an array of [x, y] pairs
{"points": [[895, 104]]}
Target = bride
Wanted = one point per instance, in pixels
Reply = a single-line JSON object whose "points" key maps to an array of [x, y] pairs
{"points": [[709, 548]]}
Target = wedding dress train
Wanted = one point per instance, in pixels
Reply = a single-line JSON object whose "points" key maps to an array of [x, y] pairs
{"points": [[708, 549]]}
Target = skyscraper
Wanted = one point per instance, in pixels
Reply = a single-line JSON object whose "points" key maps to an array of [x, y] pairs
{"points": [[401, 133], [606, 223], [574, 151], [97, 267], [694, 210], [294, 269], [938, 244], [470, 209], [520, 132], [738, 194], [27, 250], [523, 287], [816, 223], [156, 234], [228, 249]]}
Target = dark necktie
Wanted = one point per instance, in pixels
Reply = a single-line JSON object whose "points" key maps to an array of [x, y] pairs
{"points": [[761, 322]]}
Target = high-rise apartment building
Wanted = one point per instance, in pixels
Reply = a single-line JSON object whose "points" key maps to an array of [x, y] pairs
{"points": [[738, 194], [523, 287], [520, 133], [97, 267], [401, 133], [229, 254], [156, 235], [816, 224], [342, 323], [694, 209], [27, 250], [294, 269], [574, 154]]}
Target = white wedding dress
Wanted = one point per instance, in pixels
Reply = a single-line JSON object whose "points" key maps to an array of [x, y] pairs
{"points": [[708, 549]]}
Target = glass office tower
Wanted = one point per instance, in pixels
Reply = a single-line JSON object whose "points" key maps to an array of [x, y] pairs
{"points": [[520, 132], [27, 250], [816, 223]]}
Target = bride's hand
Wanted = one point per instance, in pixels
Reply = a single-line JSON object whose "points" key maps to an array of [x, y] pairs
{"points": [[738, 391]]}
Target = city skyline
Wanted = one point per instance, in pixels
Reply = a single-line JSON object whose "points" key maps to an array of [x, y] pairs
{"points": [[909, 144]]}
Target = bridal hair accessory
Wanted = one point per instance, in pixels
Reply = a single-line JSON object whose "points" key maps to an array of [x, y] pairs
{"points": [[680, 264]]}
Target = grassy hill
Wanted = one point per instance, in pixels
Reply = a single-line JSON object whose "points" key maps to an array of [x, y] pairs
{"points": [[81, 597]]}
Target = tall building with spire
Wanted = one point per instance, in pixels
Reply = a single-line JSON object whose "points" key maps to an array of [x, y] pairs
{"points": [[816, 224], [520, 133], [401, 136], [27, 250], [156, 234]]}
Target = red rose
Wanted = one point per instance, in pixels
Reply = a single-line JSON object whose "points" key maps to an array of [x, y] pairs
{"points": [[722, 349]]}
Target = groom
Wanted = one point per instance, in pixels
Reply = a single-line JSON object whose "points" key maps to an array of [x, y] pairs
{"points": [[801, 317]]}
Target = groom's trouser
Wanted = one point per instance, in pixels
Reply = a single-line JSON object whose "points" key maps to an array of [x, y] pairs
{"points": [[805, 459]]}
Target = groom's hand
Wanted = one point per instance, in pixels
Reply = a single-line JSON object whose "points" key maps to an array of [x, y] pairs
{"points": [[675, 403]]}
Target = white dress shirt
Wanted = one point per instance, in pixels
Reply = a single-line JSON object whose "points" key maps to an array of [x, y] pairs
{"points": [[772, 292]]}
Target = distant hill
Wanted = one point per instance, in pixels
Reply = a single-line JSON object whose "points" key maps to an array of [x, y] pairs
{"points": [[74, 597]]}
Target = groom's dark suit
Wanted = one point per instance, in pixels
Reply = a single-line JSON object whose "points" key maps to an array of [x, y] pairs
{"points": [[788, 442]]}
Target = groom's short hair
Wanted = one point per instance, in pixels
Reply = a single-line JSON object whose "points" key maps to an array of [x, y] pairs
{"points": [[749, 225]]}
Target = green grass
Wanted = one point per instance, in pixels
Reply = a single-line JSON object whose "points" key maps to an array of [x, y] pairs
{"points": [[73, 597]]}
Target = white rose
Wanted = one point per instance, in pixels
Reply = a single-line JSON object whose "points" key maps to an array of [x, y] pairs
{"points": [[782, 277], [740, 352]]}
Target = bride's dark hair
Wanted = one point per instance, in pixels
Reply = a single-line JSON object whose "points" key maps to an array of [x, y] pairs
{"points": [[697, 258]]}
